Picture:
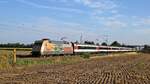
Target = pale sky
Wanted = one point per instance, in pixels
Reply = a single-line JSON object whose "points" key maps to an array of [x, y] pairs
{"points": [[127, 21]]}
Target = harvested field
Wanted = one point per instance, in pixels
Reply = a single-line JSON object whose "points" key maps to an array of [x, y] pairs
{"points": [[130, 69]]}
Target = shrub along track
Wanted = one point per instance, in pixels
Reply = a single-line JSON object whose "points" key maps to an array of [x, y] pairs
{"points": [[132, 69]]}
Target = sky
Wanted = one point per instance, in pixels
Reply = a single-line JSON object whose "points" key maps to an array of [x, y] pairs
{"points": [[126, 21]]}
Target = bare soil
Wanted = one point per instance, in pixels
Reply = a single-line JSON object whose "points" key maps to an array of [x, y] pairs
{"points": [[130, 69]]}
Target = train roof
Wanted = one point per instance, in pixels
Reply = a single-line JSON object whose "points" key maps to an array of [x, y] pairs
{"points": [[51, 41], [57, 42]]}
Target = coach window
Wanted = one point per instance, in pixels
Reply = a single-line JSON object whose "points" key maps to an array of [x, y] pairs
{"points": [[83, 47], [104, 48]]}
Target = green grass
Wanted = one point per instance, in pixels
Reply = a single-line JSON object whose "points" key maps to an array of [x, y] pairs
{"points": [[6, 59], [50, 60], [32, 62], [85, 55]]}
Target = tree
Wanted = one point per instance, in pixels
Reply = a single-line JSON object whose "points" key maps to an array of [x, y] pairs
{"points": [[146, 49], [104, 44], [97, 44], [89, 42], [115, 43], [76, 42]]}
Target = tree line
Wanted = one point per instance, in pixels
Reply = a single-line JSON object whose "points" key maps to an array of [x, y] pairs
{"points": [[145, 49], [16, 45], [115, 43]]}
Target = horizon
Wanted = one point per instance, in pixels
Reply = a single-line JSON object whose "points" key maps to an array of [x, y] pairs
{"points": [[125, 21], [83, 42]]}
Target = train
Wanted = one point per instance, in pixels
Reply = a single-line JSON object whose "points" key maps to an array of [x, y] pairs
{"points": [[48, 47]]}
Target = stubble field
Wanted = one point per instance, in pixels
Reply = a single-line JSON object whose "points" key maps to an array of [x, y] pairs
{"points": [[129, 69]]}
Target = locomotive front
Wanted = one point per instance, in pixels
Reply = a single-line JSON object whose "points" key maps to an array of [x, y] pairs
{"points": [[47, 47]]}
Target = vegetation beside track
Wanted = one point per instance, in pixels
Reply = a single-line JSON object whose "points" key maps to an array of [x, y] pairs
{"points": [[48, 60], [5, 59], [63, 59]]}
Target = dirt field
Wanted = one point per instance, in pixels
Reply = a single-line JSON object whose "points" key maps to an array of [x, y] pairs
{"points": [[132, 69]]}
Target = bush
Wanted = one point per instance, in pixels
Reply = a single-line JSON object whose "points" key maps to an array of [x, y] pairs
{"points": [[146, 49], [5, 59], [85, 55]]}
